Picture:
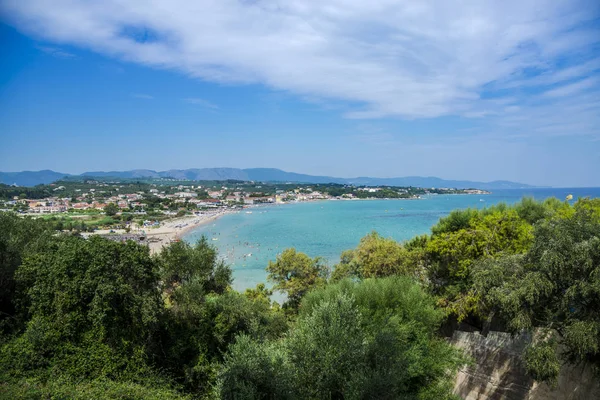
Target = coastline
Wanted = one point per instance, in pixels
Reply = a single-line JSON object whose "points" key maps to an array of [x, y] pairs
{"points": [[174, 229]]}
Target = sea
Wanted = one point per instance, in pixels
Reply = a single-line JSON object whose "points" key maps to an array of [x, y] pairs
{"points": [[248, 240]]}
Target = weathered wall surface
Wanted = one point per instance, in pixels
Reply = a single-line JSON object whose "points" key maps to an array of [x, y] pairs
{"points": [[498, 373]]}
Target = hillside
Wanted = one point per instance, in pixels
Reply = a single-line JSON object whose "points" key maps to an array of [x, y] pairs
{"points": [[32, 178]]}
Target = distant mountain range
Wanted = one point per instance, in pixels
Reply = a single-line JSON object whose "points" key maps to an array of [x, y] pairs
{"points": [[32, 178]]}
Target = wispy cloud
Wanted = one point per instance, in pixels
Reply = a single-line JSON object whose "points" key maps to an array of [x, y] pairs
{"points": [[573, 88], [201, 102], [142, 96], [382, 58], [56, 52]]}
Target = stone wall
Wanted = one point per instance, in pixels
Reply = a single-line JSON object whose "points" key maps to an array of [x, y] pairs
{"points": [[498, 372]]}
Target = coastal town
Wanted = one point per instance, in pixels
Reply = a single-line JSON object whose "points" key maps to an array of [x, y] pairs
{"points": [[97, 195], [160, 211]]}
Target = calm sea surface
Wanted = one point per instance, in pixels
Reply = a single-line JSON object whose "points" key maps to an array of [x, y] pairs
{"points": [[326, 228]]}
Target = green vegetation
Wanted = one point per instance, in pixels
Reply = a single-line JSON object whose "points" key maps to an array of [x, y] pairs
{"points": [[373, 339], [532, 267], [554, 286], [296, 273], [111, 209], [36, 192], [105, 319], [73, 187], [99, 319], [374, 257]]}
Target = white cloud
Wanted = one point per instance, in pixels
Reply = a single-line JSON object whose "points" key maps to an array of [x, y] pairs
{"points": [[409, 59], [573, 88], [142, 96], [56, 52], [201, 102]]}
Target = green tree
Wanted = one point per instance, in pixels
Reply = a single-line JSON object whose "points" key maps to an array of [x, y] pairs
{"points": [[111, 209], [450, 255], [352, 340], [21, 207], [296, 273], [18, 238], [259, 293], [255, 370], [182, 263], [555, 287], [374, 257], [326, 350], [92, 308], [203, 315], [98, 389]]}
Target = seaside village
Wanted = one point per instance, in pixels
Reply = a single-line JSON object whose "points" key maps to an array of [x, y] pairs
{"points": [[158, 214], [187, 195]]}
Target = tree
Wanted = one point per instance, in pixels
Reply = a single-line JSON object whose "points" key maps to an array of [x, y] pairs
{"points": [[352, 340], [18, 238], [203, 315], [451, 253], [111, 209], [259, 293], [296, 273], [21, 207], [182, 263], [92, 308], [555, 287], [326, 350], [375, 256], [255, 370]]}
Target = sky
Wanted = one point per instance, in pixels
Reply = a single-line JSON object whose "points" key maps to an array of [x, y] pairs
{"points": [[471, 89]]}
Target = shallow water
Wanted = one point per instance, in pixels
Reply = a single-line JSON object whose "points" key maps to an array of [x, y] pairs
{"points": [[326, 228]]}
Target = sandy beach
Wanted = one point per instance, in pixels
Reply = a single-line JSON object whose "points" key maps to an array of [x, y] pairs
{"points": [[173, 229], [169, 230]]}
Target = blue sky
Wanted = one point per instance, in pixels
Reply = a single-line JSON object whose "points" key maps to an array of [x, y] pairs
{"points": [[479, 90]]}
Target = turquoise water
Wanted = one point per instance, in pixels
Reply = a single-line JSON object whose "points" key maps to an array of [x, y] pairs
{"points": [[248, 241]]}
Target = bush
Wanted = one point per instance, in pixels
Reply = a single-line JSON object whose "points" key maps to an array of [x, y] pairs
{"points": [[373, 339]]}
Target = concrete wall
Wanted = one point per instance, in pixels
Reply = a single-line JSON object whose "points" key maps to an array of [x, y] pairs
{"points": [[498, 372]]}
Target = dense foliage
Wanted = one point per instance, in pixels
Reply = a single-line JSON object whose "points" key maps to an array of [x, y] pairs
{"points": [[374, 257], [555, 286], [37, 192], [101, 319], [18, 237], [296, 273], [373, 339], [531, 267]]}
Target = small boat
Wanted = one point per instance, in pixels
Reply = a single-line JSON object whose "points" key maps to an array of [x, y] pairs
{"points": [[215, 238], [248, 212]]}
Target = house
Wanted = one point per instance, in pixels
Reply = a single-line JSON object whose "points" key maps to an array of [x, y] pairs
{"points": [[183, 195], [44, 209], [209, 203]]}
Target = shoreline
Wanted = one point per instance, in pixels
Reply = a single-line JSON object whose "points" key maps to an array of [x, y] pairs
{"points": [[174, 229]]}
